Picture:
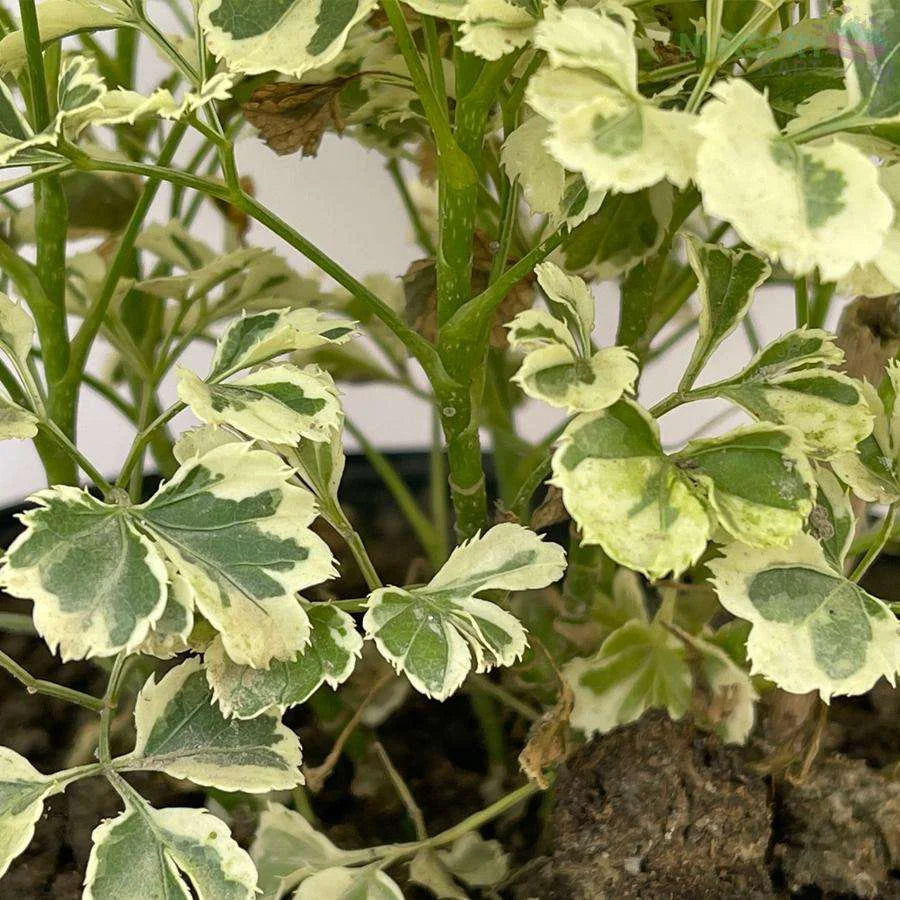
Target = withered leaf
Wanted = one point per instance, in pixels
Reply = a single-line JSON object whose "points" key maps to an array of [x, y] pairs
{"points": [[547, 739], [292, 117]]}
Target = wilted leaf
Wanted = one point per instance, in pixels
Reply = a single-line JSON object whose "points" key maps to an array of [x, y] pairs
{"points": [[547, 738], [435, 633], [813, 630], [144, 850], [832, 521], [181, 731]]}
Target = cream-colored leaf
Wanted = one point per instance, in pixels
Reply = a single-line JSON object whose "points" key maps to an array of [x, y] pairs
{"points": [[349, 884], [15, 422], [16, 330], [493, 28], [526, 159], [806, 205], [22, 793]]}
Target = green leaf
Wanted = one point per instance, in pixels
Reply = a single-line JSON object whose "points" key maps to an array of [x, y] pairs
{"points": [[98, 583], [639, 666], [492, 28], [823, 206], [349, 884], [288, 849], [22, 793], [16, 331], [255, 338], [807, 34], [281, 403], [625, 495], [287, 36], [16, 422], [542, 178], [813, 630], [832, 521], [757, 479], [232, 525], [727, 281], [180, 731], [872, 468], [330, 657], [434, 633], [157, 853], [870, 43]]}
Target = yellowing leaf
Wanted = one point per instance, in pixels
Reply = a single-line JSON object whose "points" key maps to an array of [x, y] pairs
{"points": [[330, 657], [181, 731], [282, 403], [144, 850], [806, 205], [813, 630], [22, 793], [625, 496], [287, 36], [434, 634]]}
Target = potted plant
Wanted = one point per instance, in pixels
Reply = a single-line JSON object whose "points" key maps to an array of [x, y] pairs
{"points": [[689, 153]]}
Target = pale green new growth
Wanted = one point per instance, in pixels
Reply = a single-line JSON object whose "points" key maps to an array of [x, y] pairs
{"points": [[813, 630], [434, 634], [181, 731]]}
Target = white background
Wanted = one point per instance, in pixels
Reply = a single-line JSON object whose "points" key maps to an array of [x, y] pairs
{"points": [[344, 202]]}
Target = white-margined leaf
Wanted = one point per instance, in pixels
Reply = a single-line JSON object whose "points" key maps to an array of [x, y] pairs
{"points": [[806, 205], [22, 793], [803, 348], [16, 422], [237, 530], [727, 281], [288, 849], [328, 658], [435, 633], [813, 630], [639, 666], [321, 466], [257, 337], [757, 480], [281, 403], [182, 732], [625, 495], [169, 634], [493, 28], [443, 9], [196, 441], [832, 521], [19, 144], [16, 331], [542, 178], [158, 853], [872, 468], [349, 884], [58, 18], [570, 300], [870, 45], [287, 36], [97, 582]]}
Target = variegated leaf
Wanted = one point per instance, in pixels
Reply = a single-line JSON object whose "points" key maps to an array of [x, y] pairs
{"points": [[570, 301], [443, 9], [757, 479], [832, 521], [434, 634], [554, 375], [281, 403], [813, 630], [493, 28], [257, 337], [287, 36], [16, 331], [727, 281], [181, 731], [288, 849], [321, 466], [822, 205], [169, 634], [58, 18], [158, 853], [22, 793], [19, 144], [16, 422], [872, 468], [97, 582], [329, 658], [639, 666], [349, 884], [526, 160], [237, 530], [625, 495]]}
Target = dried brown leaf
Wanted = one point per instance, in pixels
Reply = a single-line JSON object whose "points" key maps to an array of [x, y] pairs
{"points": [[547, 742]]}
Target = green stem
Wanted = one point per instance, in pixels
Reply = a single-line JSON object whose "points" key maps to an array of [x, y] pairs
{"points": [[884, 533], [110, 699], [17, 623], [801, 301], [58, 435], [47, 688]]}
